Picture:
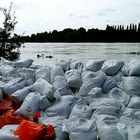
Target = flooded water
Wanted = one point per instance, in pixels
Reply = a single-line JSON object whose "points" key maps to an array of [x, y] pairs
{"points": [[82, 51]]}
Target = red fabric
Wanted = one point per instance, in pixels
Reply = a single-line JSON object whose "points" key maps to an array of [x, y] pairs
{"points": [[50, 134], [9, 117], [36, 115]]}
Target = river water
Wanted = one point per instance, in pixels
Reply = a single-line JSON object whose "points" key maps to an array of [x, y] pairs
{"points": [[82, 51]]}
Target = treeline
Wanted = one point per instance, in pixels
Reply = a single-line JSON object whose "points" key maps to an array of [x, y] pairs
{"points": [[130, 33]]}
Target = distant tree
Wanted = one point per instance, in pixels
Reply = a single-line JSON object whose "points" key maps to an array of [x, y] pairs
{"points": [[9, 49], [139, 27]]}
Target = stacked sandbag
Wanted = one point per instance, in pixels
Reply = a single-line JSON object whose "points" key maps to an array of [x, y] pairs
{"points": [[23, 63], [62, 107], [74, 79], [112, 67], [80, 129], [94, 65]]}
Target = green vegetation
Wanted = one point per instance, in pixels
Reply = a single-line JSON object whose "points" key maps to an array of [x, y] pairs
{"points": [[9, 48]]}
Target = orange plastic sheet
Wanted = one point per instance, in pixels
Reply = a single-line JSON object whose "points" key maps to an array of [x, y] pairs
{"points": [[5, 105], [29, 130], [9, 117]]}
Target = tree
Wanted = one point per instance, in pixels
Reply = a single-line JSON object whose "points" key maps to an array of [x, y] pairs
{"points": [[9, 49]]}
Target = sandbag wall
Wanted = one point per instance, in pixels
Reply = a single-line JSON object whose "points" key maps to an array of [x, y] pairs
{"points": [[92, 101]]}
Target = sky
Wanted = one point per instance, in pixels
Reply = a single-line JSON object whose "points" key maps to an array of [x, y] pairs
{"points": [[47, 15]]}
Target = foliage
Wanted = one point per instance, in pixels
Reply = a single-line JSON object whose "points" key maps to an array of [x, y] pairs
{"points": [[9, 49]]}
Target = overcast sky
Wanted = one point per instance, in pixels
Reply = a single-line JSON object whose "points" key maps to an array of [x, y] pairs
{"points": [[46, 15]]}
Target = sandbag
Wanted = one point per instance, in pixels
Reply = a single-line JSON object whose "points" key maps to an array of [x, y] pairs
{"points": [[81, 110], [94, 65], [119, 95], [73, 78], [111, 67], [109, 84], [61, 86], [80, 129], [1, 94], [76, 64], [134, 132], [44, 73], [29, 105], [4, 136], [134, 67], [131, 85], [134, 103], [21, 94], [107, 131], [92, 83], [23, 63], [56, 71], [6, 62], [57, 123], [62, 107], [65, 64], [13, 85], [43, 87]]}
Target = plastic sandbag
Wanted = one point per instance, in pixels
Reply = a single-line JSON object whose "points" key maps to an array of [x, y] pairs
{"points": [[119, 95], [44, 73], [13, 85], [1, 94], [80, 129], [73, 78], [20, 95], [107, 131], [81, 110], [134, 68], [57, 123], [134, 132], [30, 105], [76, 64], [6, 62], [111, 67], [9, 117], [56, 71], [109, 84], [62, 107], [65, 64], [4, 136], [60, 84], [43, 87], [94, 65], [131, 85], [134, 103], [23, 63]]}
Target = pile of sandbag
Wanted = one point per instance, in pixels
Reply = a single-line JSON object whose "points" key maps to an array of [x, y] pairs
{"points": [[96, 100]]}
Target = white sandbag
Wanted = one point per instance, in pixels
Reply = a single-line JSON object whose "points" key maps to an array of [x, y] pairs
{"points": [[23, 63], [57, 123], [43, 87], [94, 65], [62, 107], [80, 129], [61, 86], [81, 110], [1, 95], [21, 94], [118, 76], [92, 83], [107, 131], [4, 136], [134, 132], [4, 80], [28, 75], [73, 78], [44, 73], [29, 105], [109, 84], [13, 85], [134, 68], [119, 95], [6, 62], [111, 67], [76, 64], [134, 103], [131, 85], [105, 106], [56, 71], [64, 63], [44, 103], [5, 69]]}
